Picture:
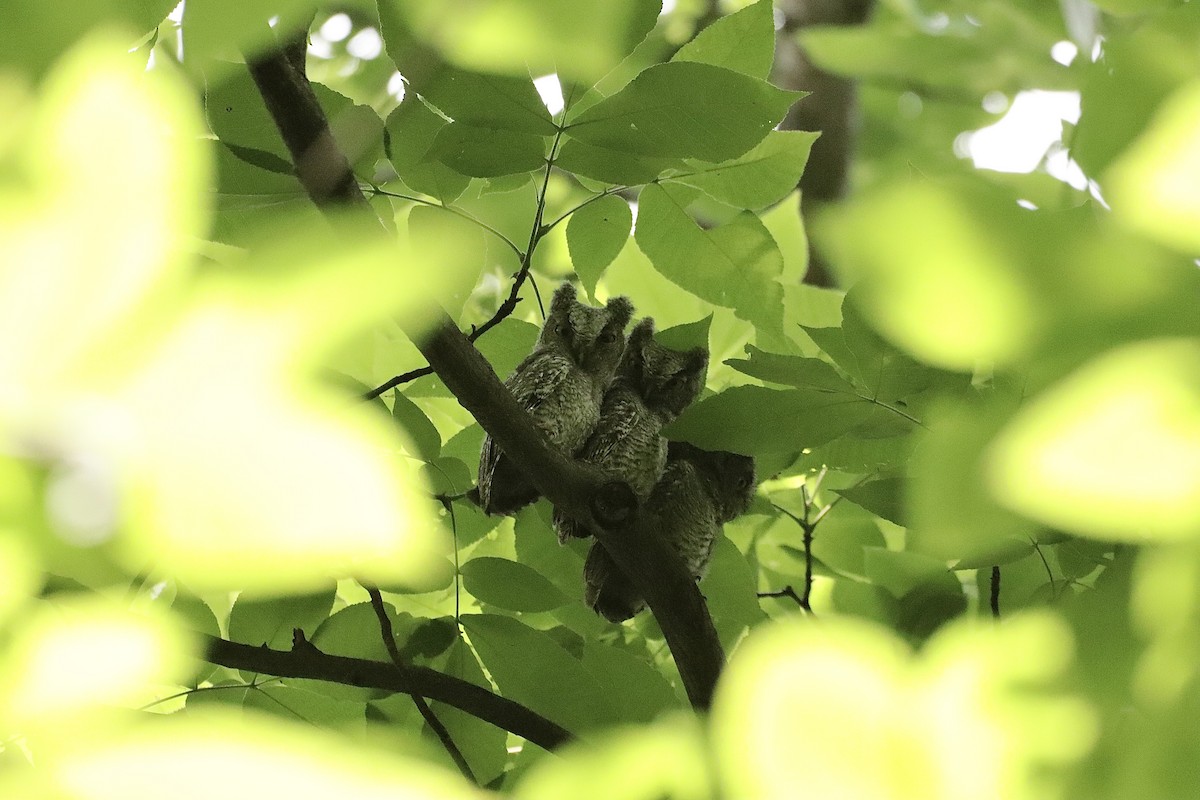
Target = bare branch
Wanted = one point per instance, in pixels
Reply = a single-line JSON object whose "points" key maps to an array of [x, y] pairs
{"points": [[308, 662], [435, 724]]}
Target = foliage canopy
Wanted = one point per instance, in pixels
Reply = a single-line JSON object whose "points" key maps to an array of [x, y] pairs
{"points": [[998, 416]]}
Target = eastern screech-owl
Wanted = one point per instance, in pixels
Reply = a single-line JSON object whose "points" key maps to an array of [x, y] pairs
{"points": [[652, 387], [561, 384], [698, 493]]}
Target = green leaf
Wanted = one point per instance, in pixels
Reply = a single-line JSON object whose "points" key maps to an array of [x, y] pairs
{"points": [[258, 620], [686, 336], [531, 668], [356, 128], [798, 371], [458, 246], [755, 419], [637, 691], [729, 588], [609, 165], [296, 704], [833, 344], [36, 34], [507, 344], [483, 152], [734, 265], [481, 743], [411, 131], [950, 513], [595, 234], [510, 585], [761, 177], [412, 420], [668, 109], [1122, 433], [902, 572], [487, 101], [883, 498], [743, 41]]}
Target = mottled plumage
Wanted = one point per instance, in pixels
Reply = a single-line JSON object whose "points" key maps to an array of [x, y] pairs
{"points": [[698, 493], [561, 384], [653, 385]]}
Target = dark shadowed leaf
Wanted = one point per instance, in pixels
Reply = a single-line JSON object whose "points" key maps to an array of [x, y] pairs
{"points": [[484, 152], [883, 498], [755, 419], [412, 420]]}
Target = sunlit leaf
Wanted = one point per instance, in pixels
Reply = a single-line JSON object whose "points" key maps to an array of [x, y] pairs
{"points": [[664, 760], [270, 621], [958, 721], [761, 177], [483, 152], [1156, 184], [595, 234], [1113, 451], [950, 298], [76, 657], [212, 753], [734, 265], [742, 41], [581, 39]]}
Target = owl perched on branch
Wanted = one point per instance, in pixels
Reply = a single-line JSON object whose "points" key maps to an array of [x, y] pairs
{"points": [[698, 493], [561, 384], [653, 385]]}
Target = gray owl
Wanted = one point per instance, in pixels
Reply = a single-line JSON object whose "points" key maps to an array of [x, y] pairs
{"points": [[698, 493], [652, 387], [561, 384]]}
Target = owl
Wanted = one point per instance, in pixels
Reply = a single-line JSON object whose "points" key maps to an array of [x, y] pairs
{"points": [[653, 385], [698, 493], [561, 383]]}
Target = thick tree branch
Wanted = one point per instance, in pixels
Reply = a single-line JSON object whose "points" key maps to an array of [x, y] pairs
{"points": [[582, 492], [308, 662]]}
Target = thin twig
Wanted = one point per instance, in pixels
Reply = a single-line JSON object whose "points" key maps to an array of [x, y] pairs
{"points": [[509, 305], [786, 591], [435, 724], [995, 594]]}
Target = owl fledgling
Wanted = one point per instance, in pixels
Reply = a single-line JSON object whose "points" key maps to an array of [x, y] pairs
{"points": [[561, 384], [698, 493], [653, 385]]}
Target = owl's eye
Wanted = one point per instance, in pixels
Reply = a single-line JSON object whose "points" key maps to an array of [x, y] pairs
{"points": [[607, 337]]}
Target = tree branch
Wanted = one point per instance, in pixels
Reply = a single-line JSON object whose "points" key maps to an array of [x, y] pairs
{"points": [[583, 492], [308, 662], [435, 724]]}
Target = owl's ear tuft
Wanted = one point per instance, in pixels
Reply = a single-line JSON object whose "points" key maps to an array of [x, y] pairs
{"points": [[564, 297], [697, 361], [642, 332], [620, 309]]}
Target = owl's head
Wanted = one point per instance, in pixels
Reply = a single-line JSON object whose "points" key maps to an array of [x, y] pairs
{"points": [[667, 380], [730, 476], [594, 337]]}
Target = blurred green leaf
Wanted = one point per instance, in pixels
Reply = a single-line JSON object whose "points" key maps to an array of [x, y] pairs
{"points": [[581, 39], [1121, 433]]}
